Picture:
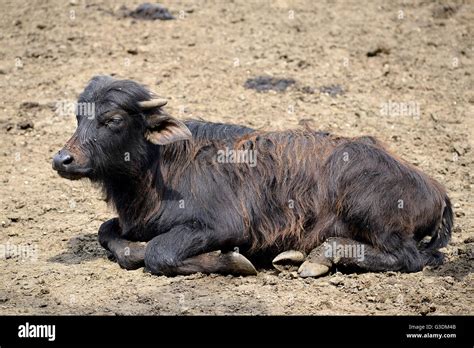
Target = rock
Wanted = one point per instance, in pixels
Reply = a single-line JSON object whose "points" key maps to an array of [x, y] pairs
{"points": [[267, 83], [14, 217], [332, 90], [336, 281], [469, 240], [9, 126], [378, 51], [307, 90], [302, 64], [3, 298], [147, 11], [6, 222], [461, 148], [132, 51], [29, 105], [269, 280], [459, 213], [294, 275], [25, 124], [444, 11], [426, 309]]}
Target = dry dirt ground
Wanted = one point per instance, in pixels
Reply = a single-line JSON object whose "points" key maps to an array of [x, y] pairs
{"points": [[366, 55]]}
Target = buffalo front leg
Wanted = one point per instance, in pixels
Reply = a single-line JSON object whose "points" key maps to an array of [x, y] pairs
{"points": [[183, 251], [129, 255]]}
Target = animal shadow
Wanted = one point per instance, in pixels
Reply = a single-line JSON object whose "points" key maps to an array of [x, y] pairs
{"points": [[81, 248], [458, 268]]}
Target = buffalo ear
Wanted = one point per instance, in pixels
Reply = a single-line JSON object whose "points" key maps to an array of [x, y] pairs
{"points": [[164, 129]]}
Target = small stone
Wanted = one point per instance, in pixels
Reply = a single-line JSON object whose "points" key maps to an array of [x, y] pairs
{"points": [[332, 90], [336, 281], [25, 124], [426, 309], [14, 218], [269, 280], [147, 11], [9, 126], [3, 298], [29, 105], [469, 240], [307, 90], [378, 51]]}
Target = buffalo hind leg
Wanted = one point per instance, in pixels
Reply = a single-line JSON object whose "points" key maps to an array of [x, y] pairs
{"points": [[352, 256], [129, 255]]}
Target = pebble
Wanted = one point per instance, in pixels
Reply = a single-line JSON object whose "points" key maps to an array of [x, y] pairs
{"points": [[336, 281], [25, 124], [268, 280], [147, 11], [3, 299], [332, 90], [469, 240]]}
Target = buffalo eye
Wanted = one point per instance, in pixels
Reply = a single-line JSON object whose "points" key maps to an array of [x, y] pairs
{"points": [[114, 121]]}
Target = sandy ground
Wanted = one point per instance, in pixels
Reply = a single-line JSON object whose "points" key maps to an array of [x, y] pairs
{"points": [[419, 53]]}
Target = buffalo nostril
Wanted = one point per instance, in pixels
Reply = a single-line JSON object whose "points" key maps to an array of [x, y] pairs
{"points": [[67, 160], [62, 160]]}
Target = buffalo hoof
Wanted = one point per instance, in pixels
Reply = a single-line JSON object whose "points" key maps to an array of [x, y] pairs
{"points": [[239, 264], [310, 269], [288, 260]]}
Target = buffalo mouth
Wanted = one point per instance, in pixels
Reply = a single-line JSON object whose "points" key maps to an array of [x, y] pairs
{"points": [[75, 174]]}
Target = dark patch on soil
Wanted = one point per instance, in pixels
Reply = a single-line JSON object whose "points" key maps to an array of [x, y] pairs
{"points": [[267, 83]]}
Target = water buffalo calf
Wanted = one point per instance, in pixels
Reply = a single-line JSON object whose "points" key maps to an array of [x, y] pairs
{"points": [[188, 193]]}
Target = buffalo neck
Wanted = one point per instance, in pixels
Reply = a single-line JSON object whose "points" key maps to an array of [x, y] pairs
{"points": [[139, 197]]}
